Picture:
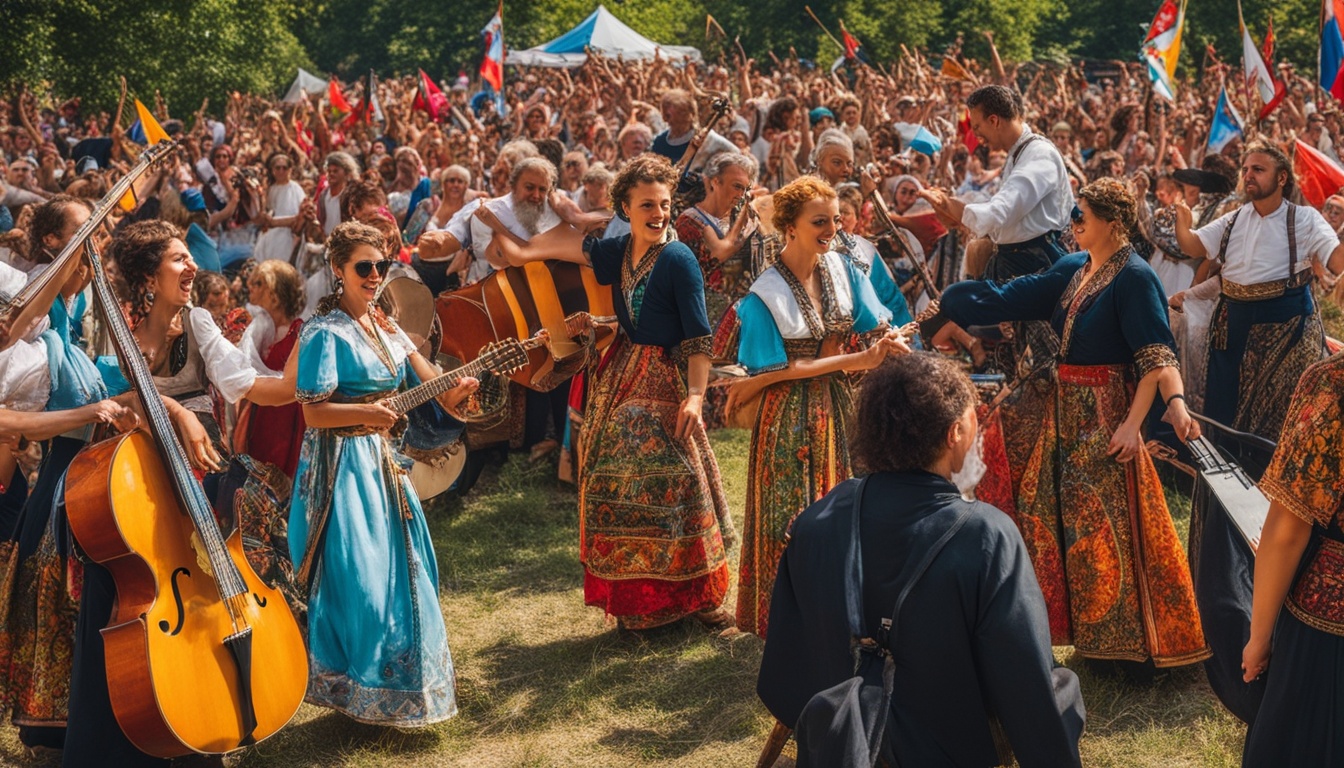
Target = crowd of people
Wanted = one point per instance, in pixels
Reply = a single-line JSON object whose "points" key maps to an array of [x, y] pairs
{"points": [[821, 257]]}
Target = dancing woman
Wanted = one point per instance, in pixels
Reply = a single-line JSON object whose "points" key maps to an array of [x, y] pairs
{"points": [[377, 645], [1084, 491], [792, 333], [652, 514]]}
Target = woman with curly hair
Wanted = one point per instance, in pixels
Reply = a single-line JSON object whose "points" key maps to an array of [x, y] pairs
{"points": [[377, 645], [794, 333], [272, 433], [652, 514], [188, 356], [1080, 484]]}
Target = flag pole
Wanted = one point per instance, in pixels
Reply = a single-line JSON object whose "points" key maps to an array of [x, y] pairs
{"points": [[1320, 37], [808, 8]]}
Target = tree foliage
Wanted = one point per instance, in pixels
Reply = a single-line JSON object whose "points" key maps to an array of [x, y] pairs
{"points": [[188, 51]]}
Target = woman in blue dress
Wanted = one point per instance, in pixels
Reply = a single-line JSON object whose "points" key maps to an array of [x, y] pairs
{"points": [[377, 645], [652, 514], [1079, 482]]}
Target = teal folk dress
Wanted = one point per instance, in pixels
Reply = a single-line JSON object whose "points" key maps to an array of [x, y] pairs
{"points": [[377, 646]]}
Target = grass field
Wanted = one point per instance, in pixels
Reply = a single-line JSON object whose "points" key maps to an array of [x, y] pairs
{"points": [[544, 681]]}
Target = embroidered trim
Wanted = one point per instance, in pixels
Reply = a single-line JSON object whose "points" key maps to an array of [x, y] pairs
{"points": [[1261, 291], [1076, 301], [1153, 356], [832, 319], [632, 277], [1316, 597], [700, 345], [306, 396]]}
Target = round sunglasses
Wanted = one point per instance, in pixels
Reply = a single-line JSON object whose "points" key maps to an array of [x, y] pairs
{"points": [[364, 268]]}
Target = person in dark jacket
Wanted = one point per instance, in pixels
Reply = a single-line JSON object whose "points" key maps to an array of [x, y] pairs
{"points": [[972, 646]]}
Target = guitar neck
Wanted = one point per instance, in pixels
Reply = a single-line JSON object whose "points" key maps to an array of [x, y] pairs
{"points": [[425, 392]]}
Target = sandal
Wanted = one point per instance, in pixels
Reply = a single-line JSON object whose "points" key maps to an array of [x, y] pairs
{"points": [[715, 618]]}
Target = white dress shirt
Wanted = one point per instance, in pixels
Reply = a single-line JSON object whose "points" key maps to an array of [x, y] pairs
{"points": [[1257, 251], [1033, 198], [481, 235]]}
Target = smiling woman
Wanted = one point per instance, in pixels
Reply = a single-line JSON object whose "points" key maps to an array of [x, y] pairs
{"points": [[652, 515]]}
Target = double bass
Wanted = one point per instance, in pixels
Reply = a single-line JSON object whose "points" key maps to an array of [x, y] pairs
{"points": [[202, 654]]}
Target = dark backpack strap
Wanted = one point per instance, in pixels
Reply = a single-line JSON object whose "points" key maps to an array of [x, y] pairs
{"points": [[1018, 152], [1227, 235], [854, 574], [889, 624]]}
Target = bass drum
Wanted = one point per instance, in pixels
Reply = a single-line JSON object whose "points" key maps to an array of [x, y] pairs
{"points": [[408, 301]]}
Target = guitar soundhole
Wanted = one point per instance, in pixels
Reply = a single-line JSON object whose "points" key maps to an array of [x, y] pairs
{"points": [[261, 601], [177, 599]]}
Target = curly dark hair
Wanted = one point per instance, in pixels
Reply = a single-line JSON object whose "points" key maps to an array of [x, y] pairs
{"points": [[138, 251], [906, 406], [648, 168], [49, 218]]}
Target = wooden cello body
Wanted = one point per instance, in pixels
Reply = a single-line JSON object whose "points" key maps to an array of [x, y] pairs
{"points": [[516, 303], [173, 681], [202, 655]]}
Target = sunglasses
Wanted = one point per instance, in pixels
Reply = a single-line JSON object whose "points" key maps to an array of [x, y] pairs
{"points": [[1076, 215], [364, 268]]}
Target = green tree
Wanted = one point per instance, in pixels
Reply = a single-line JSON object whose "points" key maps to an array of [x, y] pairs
{"points": [[187, 51]]}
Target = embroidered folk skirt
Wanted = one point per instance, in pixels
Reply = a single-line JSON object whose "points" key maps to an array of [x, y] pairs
{"points": [[1114, 574], [1257, 352], [41, 588], [652, 514], [799, 451]]}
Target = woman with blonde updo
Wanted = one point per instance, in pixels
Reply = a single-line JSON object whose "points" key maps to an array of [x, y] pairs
{"points": [[793, 332], [377, 646], [1088, 500]]}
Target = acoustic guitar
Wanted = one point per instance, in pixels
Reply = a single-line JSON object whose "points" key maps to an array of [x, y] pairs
{"points": [[202, 655]]}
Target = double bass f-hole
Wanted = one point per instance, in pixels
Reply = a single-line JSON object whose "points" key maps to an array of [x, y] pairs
{"points": [[177, 599]]}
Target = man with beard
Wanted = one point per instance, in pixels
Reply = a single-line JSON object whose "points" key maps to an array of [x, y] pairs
{"points": [[1265, 330], [525, 211]]}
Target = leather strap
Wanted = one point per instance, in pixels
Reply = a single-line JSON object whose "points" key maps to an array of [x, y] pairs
{"points": [[515, 307]]}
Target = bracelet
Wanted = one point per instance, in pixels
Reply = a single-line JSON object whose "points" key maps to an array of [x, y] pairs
{"points": [[695, 391], [1177, 396]]}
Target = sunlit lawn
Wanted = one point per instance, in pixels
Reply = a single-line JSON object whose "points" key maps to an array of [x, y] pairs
{"points": [[544, 681]]}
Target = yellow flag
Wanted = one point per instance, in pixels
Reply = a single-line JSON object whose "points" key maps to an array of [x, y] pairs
{"points": [[953, 69], [154, 132]]}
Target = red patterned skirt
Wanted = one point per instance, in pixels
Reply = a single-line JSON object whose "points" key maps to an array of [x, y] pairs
{"points": [[652, 514], [1106, 554]]}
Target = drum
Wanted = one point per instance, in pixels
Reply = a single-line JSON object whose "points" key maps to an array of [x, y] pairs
{"points": [[408, 301], [431, 478]]}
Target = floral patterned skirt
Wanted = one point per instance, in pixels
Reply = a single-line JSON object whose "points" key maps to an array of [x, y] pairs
{"points": [[799, 451], [1114, 574], [652, 514]]}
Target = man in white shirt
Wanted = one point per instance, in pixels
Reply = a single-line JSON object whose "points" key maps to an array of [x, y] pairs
{"points": [[1265, 331], [1033, 203], [526, 212]]}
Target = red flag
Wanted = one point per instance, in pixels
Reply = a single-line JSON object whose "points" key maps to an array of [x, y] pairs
{"points": [[428, 97], [1267, 47], [338, 107], [1317, 175], [853, 49], [492, 66], [1280, 88], [965, 133]]}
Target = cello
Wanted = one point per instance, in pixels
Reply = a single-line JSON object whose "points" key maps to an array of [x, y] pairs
{"points": [[202, 655]]}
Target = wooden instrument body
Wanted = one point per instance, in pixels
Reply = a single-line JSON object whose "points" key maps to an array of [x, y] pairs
{"points": [[517, 303], [173, 683]]}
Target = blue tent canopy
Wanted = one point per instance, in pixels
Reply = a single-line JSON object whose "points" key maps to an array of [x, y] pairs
{"points": [[604, 33]]}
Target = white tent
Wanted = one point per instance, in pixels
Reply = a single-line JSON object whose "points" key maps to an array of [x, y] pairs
{"points": [[603, 33], [305, 83]]}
